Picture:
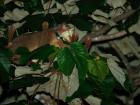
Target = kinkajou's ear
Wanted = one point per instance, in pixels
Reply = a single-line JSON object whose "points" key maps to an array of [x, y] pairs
{"points": [[45, 25]]}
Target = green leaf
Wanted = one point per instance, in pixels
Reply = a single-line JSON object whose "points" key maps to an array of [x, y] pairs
{"points": [[107, 90], [65, 61], [24, 55], [88, 6], [43, 52], [85, 89], [107, 87], [98, 67], [80, 56], [4, 61], [27, 81]]}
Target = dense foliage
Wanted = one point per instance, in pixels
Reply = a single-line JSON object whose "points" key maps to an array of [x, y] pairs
{"points": [[99, 75]]}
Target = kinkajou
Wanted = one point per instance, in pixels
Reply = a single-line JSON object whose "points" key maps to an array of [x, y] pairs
{"points": [[34, 40]]}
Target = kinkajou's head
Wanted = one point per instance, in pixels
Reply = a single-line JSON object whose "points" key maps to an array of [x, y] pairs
{"points": [[67, 33]]}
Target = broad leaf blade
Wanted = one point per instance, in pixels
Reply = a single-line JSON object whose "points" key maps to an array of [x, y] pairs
{"points": [[80, 56], [24, 55], [85, 89], [98, 68], [43, 52], [65, 61]]}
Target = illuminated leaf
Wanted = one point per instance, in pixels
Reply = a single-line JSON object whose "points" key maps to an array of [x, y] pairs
{"points": [[65, 61]]}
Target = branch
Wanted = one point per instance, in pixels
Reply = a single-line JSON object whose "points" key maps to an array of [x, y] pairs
{"points": [[109, 37], [107, 27]]}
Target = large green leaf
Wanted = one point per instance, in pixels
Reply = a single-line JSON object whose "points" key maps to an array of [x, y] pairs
{"points": [[98, 67], [26, 81], [80, 56], [43, 52], [107, 87], [88, 6], [65, 61], [85, 89], [107, 90], [24, 55]]}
